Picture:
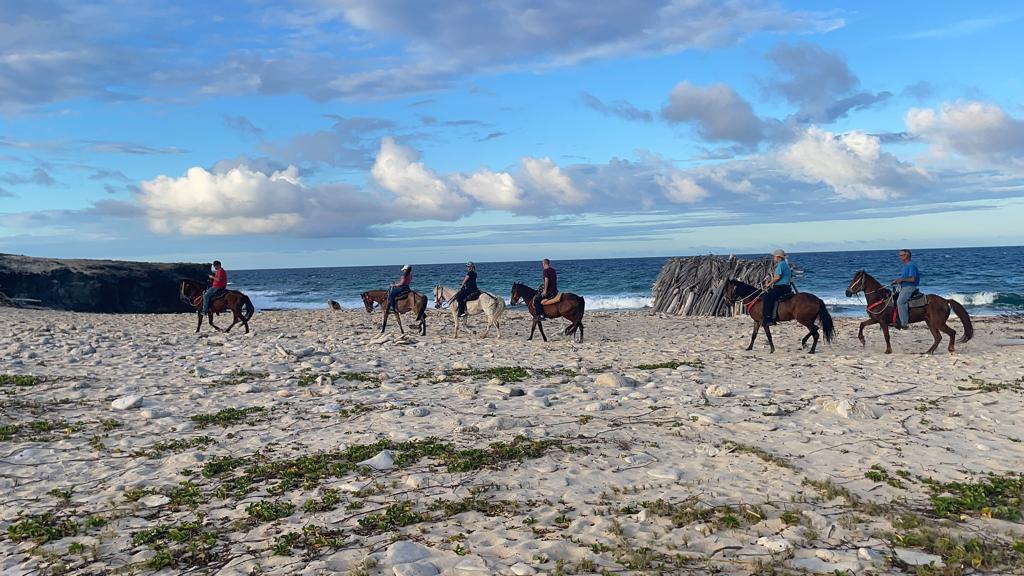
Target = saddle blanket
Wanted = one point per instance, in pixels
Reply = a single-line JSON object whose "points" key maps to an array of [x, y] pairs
{"points": [[555, 300], [917, 300]]}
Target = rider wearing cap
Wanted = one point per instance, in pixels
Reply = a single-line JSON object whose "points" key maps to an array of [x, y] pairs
{"points": [[400, 288], [778, 286], [468, 290], [909, 280]]}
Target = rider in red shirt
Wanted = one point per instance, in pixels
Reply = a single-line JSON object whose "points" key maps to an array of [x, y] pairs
{"points": [[219, 286]]}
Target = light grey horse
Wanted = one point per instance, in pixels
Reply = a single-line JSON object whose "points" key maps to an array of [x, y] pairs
{"points": [[488, 304]]}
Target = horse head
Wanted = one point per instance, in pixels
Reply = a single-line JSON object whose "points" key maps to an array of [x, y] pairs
{"points": [[857, 284], [367, 302], [438, 296], [729, 294], [188, 291], [516, 294]]}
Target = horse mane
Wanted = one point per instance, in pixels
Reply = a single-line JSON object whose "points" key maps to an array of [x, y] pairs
{"points": [[747, 289]]}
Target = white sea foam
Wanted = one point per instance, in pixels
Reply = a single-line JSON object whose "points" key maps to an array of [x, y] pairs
{"points": [[617, 301], [975, 299]]}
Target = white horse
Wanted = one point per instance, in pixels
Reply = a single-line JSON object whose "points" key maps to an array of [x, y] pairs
{"points": [[489, 304]]}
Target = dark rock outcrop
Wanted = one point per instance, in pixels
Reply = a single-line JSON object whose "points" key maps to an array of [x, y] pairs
{"points": [[97, 285]]}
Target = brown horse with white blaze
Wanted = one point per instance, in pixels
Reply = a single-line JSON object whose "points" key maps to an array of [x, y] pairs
{"points": [[570, 307], [882, 309], [191, 293]]}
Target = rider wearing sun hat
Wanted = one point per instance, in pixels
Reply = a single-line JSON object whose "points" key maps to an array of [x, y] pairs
{"points": [[400, 288], [468, 290], [777, 287]]}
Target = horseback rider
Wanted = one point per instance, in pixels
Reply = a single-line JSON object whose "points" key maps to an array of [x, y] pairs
{"points": [[468, 290], [906, 284], [548, 291], [219, 285], [777, 287], [400, 288]]}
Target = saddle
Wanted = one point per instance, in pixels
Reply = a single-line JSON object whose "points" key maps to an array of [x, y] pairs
{"points": [[917, 299], [473, 296], [555, 300]]}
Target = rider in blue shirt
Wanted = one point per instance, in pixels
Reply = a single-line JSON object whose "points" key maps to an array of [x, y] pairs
{"points": [[778, 286], [909, 280]]}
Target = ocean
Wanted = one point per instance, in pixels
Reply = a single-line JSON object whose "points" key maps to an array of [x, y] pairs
{"points": [[988, 281]]}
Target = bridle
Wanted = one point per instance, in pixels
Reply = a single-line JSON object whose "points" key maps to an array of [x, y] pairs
{"points": [[745, 299], [439, 300]]}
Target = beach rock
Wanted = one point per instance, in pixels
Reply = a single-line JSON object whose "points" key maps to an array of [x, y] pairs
{"points": [[846, 408], [506, 423], [674, 474], [596, 407], [126, 402], [775, 544], [520, 569], [385, 460], [405, 552], [154, 500], [538, 392], [918, 558], [516, 392], [246, 388], [873, 557], [611, 380], [460, 366], [420, 411], [717, 391], [415, 569], [472, 566], [201, 372], [705, 419]]}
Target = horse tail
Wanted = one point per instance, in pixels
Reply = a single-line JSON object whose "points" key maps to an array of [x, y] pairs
{"points": [[421, 314], [249, 308], [965, 319], [826, 321]]}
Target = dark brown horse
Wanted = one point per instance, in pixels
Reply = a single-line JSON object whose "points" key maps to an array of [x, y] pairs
{"points": [[882, 311], [414, 302], [804, 307], [570, 307], [191, 293]]}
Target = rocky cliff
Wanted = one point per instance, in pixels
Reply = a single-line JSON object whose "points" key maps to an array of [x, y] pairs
{"points": [[97, 285]]}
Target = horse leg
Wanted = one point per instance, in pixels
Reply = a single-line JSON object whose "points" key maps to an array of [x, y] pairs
{"points": [[455, 319], [533, 328], [860, 333], [952, 335], [542, 334], [387, 312], [580, 325], [757, 326], [236, 314], [398, 317], [885, 332], [199, 314], [812, 331], [771, 344], [211, 321]]}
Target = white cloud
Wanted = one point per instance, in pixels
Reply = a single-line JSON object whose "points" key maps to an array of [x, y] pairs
{"points": [[492, 189], [852, 164], [420, 192], [980, 131], [718, 112], [546, 179], [245, 201], [681, 189]]}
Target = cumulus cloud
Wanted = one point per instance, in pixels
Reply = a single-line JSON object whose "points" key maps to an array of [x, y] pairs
{"points": [[680, 188], [852, 164], [420, 192], [818, 82], [546, 179], [979, 131], [496, 190], [717, 112], [619, 108], [351, 142], [244, 201]]}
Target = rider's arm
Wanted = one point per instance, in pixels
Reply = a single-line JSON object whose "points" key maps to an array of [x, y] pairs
{"points": [[465, 279], [545, 289]]}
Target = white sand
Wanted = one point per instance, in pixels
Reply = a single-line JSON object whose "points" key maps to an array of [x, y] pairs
{"points": [[633, 436]]}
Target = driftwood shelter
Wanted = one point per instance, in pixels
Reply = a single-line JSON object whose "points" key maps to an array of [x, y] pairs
{"points": [[692, 286]]}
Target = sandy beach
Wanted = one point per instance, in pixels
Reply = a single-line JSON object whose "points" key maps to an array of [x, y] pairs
{"points": [[658, 445]]}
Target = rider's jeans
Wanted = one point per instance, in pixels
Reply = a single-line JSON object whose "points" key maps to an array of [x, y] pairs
{"points": [[902, 303]]}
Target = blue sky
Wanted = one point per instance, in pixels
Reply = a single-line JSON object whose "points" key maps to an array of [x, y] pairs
{"points": [[334, 132]]}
